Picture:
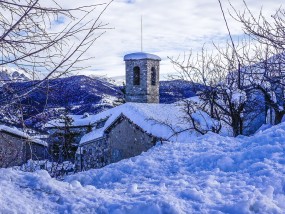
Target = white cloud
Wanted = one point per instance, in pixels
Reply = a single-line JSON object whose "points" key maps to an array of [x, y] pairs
{"points": [[170, 28]]}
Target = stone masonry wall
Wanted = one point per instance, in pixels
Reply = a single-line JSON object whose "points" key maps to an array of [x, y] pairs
{"points": [[94, 155], [145, 92], [11, 150], [126, 140], [16, 151]]}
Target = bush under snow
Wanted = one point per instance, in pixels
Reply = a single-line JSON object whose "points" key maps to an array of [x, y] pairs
{"points": [[213, 174]]}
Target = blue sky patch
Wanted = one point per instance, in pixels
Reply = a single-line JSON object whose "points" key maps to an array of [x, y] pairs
{"points": [[59, 20]]}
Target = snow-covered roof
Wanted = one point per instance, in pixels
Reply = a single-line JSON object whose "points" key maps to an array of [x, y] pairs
{"points": [[14, 131], [95, 134], [141, 55], [21, 134], [79, 120], [160, 120], [38, 141]]}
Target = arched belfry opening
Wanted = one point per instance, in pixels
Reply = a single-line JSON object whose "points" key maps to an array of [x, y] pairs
{"points": [[142, 77], [153, 76], [137, 75]]}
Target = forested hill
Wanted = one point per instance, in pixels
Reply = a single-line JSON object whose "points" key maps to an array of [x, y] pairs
{"points": [[74, 94]]}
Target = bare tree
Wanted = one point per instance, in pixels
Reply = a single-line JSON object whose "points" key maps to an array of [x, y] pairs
{"points": [[34, 38], [45, 40], [265, 30], [224, 95], [254, 68], [268, 71]]}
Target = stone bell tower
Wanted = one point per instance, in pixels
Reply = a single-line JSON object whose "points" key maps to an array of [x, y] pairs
{"points": [[142, 77]]}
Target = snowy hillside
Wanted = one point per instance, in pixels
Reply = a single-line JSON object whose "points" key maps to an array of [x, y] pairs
{"points": [[176, 90], [79, 94], [13, 75], [213, 174]]}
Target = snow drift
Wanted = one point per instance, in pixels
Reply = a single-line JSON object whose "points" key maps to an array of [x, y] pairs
{"points": [[212, 174]]}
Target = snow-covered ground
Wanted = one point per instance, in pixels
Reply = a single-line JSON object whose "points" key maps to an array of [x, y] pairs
{"points": [[213, 174]]}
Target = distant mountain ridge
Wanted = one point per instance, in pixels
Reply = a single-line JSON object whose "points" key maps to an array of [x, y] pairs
{"points": [[75, 94], [12, 75]]}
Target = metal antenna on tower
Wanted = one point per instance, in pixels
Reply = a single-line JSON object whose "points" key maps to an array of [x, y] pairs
{"points": [[141, 34]]}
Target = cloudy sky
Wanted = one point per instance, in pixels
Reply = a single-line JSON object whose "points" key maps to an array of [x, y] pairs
{"points": [[170, 28]]}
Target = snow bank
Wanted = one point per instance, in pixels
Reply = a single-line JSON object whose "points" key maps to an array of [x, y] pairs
{"points": [[212, 174]]}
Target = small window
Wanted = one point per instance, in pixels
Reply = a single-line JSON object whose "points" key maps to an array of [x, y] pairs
{"points": [[137, 75], [153, 76]]}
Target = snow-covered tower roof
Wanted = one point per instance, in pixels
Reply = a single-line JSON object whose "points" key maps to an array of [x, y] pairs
{"points": [[140, 56]]}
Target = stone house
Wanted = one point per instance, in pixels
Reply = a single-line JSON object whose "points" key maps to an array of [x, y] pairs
{"points": [[17, 147], [129, 130]]}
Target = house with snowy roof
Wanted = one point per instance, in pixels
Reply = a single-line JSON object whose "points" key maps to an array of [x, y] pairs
{"points": [[131, 129], [17, 147]]}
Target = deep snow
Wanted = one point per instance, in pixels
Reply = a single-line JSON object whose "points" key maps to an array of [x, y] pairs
{"points": [[212, 174]]}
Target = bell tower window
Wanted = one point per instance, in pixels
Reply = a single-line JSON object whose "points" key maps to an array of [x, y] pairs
{"points": [[136, 75], [153, 76]]}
